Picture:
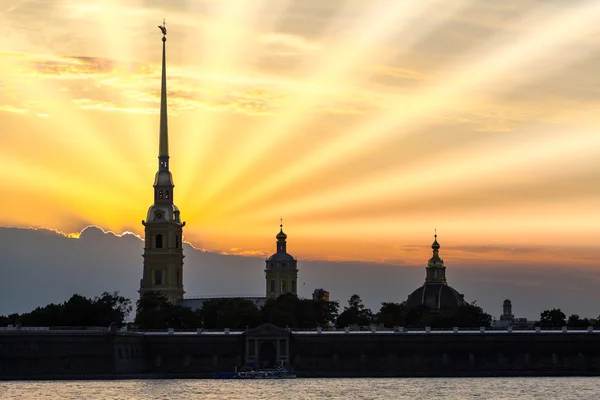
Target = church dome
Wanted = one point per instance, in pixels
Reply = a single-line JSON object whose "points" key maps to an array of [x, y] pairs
{"points": [[281, 235], [435, 245], [281, 259], [436, 296]]}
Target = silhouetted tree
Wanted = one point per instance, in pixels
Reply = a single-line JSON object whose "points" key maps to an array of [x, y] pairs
{"points": [[552, 318], [467, 316], [290, 311], [282, 311], [391, 314], [154, 311], [575, 321], [322, 313], [230, 313], [355, 313], [77, 311]]}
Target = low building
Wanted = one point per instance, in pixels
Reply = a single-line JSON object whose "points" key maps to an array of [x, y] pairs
{"points": [[508, 319], [320, 295]]}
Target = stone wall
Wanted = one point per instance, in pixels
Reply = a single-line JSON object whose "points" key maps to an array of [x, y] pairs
{"points": [[47, 354], [199, 355], [447, 354], [50, 355]]}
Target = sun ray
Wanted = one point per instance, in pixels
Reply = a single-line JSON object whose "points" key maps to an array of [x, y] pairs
{"points": [[521, 152], [326, 78], [56, 105], [231, 23], [551, 32]]}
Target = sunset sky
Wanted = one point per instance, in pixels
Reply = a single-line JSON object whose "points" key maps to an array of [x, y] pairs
{"points": [[366, 124]]}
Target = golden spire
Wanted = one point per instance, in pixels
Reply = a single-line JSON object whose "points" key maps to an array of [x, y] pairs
{"points": [[163, 149]]}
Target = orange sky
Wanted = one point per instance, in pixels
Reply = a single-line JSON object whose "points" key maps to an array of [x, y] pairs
{"points": [[364, 124]]}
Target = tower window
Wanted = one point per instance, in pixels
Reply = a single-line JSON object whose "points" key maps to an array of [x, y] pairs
{"points": [[159, 241], [167, 194], [272, 286], [160, 194], [283, 286], [158, 277], [177, 240], [294, 286]]}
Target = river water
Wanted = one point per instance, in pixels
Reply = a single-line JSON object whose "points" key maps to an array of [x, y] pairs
{"points": [[307, 389]]}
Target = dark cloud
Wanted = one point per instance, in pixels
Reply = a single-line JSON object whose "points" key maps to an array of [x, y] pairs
{"points": [[41, 266]]}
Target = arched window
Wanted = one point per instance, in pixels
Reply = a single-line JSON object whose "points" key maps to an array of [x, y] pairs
{"points": [[294, 286], [159, 241], [158, 277], [283, 286], [272, 286]]}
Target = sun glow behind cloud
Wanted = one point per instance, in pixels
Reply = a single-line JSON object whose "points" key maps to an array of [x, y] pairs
{"points": [[358, 123]]}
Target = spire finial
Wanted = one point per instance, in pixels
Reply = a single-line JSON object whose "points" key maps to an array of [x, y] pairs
{"points": [[435, 246], [163, 28], [163, 150], [281, 222]]}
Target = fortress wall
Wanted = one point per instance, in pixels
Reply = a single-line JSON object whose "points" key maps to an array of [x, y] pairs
{"points": [[48, 355], [200, 355], [448, 354], [31, 354]]}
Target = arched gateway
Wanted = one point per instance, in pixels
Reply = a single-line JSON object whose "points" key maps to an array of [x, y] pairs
{"points": [[267, 346]]}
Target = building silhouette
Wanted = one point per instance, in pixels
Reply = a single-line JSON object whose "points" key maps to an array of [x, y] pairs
{"points": [[436, 294], [281, 271], [507, 319], [320, 295], [163, 253]]}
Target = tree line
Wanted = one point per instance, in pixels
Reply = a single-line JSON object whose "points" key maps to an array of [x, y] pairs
{"points": [[153, 311]]}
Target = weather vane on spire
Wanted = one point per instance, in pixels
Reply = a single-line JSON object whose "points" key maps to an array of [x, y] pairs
{"points": [[163, 28]]}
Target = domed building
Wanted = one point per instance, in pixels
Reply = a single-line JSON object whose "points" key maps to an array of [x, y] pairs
{"points": [[281, 271], [435, 293]]}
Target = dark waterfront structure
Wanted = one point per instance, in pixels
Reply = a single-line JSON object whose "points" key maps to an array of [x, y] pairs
{"points": [[105, 355]]}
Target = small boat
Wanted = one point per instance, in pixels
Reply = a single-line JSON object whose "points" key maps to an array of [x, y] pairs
{"points": [[277, 373]]}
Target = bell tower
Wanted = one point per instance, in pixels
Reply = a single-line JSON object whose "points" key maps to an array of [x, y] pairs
{"points": [[163, 253], [436, 270], [281, 272]]}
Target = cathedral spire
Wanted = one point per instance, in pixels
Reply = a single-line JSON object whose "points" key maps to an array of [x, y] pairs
{"points": [[281, 238], [436, 270], [163, 148], [163, 228]]}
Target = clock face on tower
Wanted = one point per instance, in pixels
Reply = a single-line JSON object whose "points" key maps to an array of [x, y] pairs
{"points": [[158, 215]]}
